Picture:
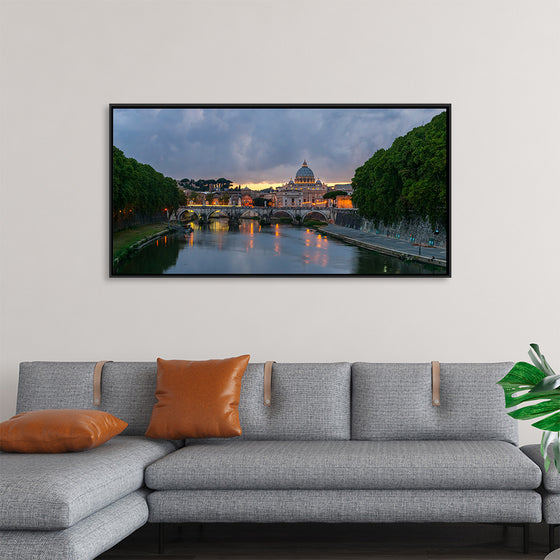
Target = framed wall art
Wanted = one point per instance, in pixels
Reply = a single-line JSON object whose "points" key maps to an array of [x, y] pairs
{"points": [[280, 190]]}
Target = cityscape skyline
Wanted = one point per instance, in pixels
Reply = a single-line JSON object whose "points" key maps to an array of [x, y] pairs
{"points": [[260, 147]]}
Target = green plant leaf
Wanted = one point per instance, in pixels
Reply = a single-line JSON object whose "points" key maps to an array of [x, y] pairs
{"points": [[535, 348], [539, 360], [526, 383], [522, 375], [550, 449], [547, 366], [514, 397], [546, 384], [536, 360], [556, 452], [550, 423], [546, 439], [536, 410]]}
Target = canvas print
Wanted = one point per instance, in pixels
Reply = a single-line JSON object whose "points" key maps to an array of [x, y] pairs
{"points": [[280, 190]]}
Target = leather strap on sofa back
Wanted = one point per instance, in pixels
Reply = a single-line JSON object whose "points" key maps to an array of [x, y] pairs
{"points": [[97, 371], [435, 383], [268, 383]]}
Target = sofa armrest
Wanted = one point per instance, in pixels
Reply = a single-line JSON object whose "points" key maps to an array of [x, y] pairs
{"points": [[551, 479]]}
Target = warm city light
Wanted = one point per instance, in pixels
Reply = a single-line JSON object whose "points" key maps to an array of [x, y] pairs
{"points": [[344, 202]]}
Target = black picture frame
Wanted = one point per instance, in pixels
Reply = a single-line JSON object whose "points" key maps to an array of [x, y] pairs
{"points": [[148, 260]]}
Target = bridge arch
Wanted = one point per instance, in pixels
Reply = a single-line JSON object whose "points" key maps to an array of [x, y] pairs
{"points": [[284, 213], [251, 211], [322, 215], [217, 213], [184, 211]]}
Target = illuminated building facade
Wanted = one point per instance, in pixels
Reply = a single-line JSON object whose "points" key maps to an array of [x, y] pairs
{"points": [[305, 190], [344, 201]]}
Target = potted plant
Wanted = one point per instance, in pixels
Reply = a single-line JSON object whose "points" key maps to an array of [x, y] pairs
{"points": [[526, 383]]}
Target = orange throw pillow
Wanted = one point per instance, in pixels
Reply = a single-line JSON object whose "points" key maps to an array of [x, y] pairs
{"points": [[58, 431], [197, 399]]}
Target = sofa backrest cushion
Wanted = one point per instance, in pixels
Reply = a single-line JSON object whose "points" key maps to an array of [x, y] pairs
{"points": [[394, 402], [45, 385], [309, 401], [127, 389]]}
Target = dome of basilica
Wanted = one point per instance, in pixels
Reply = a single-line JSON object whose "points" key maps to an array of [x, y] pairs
{"points": [[305, 174]]}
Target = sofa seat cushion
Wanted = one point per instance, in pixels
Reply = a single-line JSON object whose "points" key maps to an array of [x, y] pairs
{"points": [[54, 491], [267, 465], [85, 540], [551, 478]]}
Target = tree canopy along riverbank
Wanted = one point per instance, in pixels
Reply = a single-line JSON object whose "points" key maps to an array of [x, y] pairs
{"points": [[139, 188], [408, 180]]}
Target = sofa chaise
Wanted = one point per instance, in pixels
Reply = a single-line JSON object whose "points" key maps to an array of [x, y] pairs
{"points": [[339, 442]]}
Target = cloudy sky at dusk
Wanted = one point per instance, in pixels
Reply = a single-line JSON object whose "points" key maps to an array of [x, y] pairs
{"points": [[268, 146]]}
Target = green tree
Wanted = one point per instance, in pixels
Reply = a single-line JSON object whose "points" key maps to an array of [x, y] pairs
{"points": [[223, 183], [407, 180], [139, 188], [334, 194]]}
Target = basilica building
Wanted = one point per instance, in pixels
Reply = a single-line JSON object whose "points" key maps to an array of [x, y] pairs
{"points": [[305, 190]]}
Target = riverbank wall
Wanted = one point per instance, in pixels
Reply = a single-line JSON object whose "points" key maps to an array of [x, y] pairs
{"points": [[416, 231], [391, 247]]}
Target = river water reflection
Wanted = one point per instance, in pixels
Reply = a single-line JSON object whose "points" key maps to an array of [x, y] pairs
{"points": [[276, 249]]}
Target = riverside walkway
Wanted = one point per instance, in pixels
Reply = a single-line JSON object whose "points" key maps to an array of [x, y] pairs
{"points": [[387, 245]]}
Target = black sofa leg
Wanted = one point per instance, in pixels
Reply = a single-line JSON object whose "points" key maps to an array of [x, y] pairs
{"points": [[525, 538], [551, 544], [161, 538]]}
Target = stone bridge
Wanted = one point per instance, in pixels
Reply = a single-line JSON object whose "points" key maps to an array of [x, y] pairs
{"points": [[235, 213]]}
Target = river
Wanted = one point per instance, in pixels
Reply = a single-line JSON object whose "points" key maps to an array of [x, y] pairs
{"points": [[276, 249]]}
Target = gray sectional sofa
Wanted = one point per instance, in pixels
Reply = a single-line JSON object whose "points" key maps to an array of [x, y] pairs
{"points": [[340, 442]]}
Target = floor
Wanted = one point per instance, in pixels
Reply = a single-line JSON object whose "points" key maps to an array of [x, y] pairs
{"points": [[333, 542]]}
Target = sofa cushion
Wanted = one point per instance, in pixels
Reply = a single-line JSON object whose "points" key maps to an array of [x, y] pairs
{"points": [[58, 430], [309, 402], [551, 478], [394, 401], [197, 399], [344, 465], [54, 491], [44, 385], [551, 508], [85, 540]]}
